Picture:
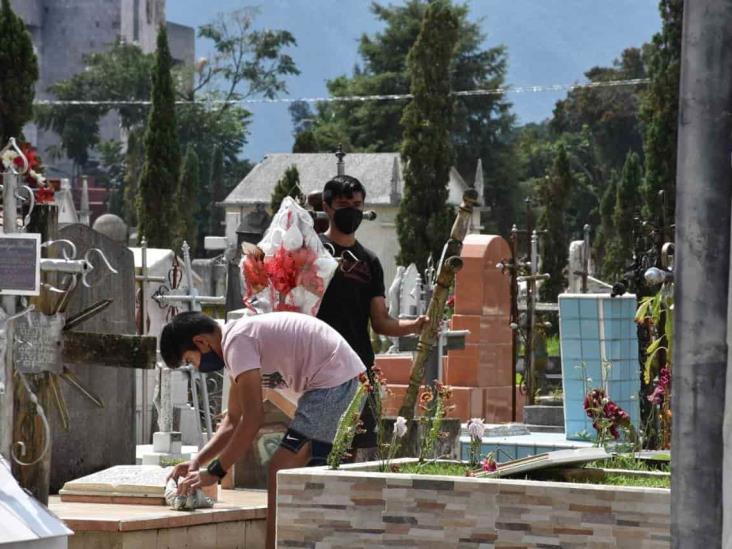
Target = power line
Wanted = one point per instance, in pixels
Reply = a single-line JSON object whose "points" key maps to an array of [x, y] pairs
{"points": [[360, 98]]}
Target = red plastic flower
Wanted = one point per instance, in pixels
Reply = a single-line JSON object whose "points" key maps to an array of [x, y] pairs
{"points": [[255, 274], [44, 195], [489, 465]]}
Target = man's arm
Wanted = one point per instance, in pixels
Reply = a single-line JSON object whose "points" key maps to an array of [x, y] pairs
{"points": [[248, 390], [384, 324], [223, 434], [217, 442]]}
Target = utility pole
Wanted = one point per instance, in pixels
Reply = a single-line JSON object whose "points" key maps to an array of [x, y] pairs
{"points": [[702, 275]]}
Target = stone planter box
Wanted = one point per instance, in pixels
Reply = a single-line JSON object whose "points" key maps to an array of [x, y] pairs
{"points": [[359, 507]]}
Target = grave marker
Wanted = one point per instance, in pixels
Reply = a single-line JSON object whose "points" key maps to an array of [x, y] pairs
{"points": [[20, 264]]}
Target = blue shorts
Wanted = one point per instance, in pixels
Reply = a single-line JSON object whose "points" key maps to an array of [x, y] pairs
{"points": [[316, 419]]}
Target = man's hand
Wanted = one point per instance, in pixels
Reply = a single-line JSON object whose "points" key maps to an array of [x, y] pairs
{"points": [[419, 323], [182, 470], [195, 480]]}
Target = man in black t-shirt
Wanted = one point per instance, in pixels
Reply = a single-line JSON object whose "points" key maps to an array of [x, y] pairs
{"points": [[355, 296]]}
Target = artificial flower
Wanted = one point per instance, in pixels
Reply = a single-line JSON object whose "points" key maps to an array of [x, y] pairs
{"points": [[489, 465], [476, 428], [400, 427]]}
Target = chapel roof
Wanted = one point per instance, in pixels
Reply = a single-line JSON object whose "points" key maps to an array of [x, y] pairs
{"points": [[375, 170]]}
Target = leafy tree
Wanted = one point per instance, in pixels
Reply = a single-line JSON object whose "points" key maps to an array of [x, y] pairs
{"points": [[120, 74], [553, 195], [480, 126], [18, 74], [423, 221], [216, 214], [288, 185], [156, 216], [606, 231], [186, 202], [620, 247], [659, 113], [609, 114]]}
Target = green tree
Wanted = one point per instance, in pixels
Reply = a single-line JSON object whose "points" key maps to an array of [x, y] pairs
{"points": [[553, 196], [186, 202], [620, 246], [156, 215], [480, 126], [216, 215], [18, 74], [606, 230], [424, 219], [288, 185], [659, 113]]}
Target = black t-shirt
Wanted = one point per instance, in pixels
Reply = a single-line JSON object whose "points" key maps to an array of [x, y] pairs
{"points": [[346, 305]]}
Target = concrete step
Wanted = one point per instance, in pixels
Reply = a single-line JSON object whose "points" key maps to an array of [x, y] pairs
{"points": [[539, 414], [545, 428]]}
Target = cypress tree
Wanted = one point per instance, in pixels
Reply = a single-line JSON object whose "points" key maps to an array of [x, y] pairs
{"points": [[606, 230], [659, 113], [18, 74], [424, 219], [186, 202], [554, 194], [161, 169], [288, 185], [216, 214], [620, 248]]}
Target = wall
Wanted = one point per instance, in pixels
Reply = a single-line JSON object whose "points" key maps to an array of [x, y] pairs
{"points": [[364, 509]]}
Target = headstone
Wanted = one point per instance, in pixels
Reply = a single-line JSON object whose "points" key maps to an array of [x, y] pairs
{"points": [[577, 266], [483, 306], [141, 484], [98, 438], [595, 330], [112, 226], [411, 292], [64, 199], [558, 458], [395, 292]]}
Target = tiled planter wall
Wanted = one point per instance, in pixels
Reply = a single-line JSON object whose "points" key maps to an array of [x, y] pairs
{"points": [[595, 328], [317, 507]]}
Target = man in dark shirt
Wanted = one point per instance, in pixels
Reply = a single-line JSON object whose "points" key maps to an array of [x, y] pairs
{"points": [[356, 294]]}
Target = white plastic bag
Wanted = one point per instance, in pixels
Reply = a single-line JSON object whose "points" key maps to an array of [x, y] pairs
{"points": [[290, 269]]}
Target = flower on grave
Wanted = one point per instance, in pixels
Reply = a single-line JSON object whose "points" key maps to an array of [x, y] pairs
{"points": [[489, 464], [605, 414], [34, 177], [400, 427], [425, 398], [662, 387], [476, 427]]}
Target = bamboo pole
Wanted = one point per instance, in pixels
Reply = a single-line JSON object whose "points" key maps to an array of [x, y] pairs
{"points": [[448, 268]]}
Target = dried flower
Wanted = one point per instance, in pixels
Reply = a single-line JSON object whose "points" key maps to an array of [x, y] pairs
{"points": [[400, 427], [425, 397]]}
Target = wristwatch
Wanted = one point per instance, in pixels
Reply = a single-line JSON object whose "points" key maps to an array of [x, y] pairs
{"points": [[216, 469]]}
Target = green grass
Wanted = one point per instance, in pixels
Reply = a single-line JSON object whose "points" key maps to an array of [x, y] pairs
{"points": [[630, 463], [552, 346], [644, 482], [431, 468]]}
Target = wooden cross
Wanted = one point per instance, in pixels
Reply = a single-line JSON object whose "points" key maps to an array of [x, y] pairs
{"points": [[41, 372]]}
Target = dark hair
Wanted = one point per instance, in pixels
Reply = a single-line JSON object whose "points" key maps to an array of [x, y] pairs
{"points": [[342, 185], [177, 336]]}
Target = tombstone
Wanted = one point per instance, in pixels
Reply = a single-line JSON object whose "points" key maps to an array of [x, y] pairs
{"points": [[253, 225], [410, 296], [483, 306], [64, 199], [576, 269], [98, 438], [596, 329], [112, 226]]}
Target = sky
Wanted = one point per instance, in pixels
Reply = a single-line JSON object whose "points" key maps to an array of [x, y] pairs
{"points": [[548, 41]]}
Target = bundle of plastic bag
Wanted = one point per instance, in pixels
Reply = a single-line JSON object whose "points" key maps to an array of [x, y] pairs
{"points": [[290, 269], [196, 500]]}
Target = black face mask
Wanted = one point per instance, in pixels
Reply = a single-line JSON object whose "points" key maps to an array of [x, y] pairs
{"points": [[210, 362], [347, 220]]}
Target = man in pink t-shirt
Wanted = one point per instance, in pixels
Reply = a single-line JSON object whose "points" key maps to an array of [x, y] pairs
{"points": [[290, 350]]}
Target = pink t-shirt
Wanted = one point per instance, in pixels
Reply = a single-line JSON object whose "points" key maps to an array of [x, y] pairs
{"points": [[293, 350]]}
